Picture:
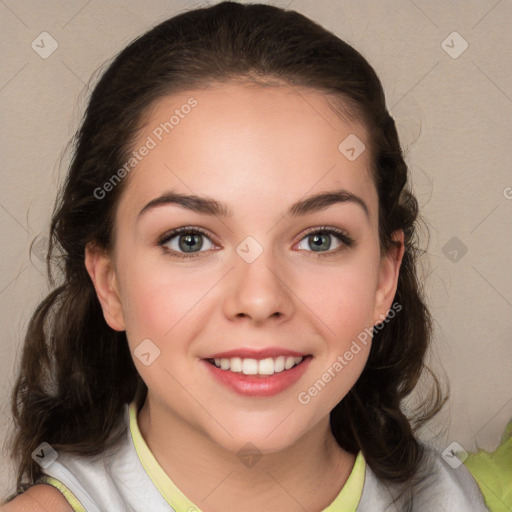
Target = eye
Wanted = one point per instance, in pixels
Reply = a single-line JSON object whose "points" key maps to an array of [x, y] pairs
{"points": [[320, 240], [185, 242]]}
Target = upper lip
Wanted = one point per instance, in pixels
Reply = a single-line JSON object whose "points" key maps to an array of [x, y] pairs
{"points": [[252, 353]]}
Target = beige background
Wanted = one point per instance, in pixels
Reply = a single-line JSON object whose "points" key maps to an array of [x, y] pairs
{"points": [[454, 117]]}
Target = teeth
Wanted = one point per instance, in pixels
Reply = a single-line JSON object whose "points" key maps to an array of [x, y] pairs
{"points": [[234, 364], [279, 364], [267, 366], [249, 366], [290, 361]]}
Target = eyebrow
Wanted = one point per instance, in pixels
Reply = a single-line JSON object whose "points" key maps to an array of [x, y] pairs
{"points": [[209, 206]]}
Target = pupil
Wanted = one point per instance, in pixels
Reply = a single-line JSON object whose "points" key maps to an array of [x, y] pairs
{"points": [[189, 242], [317, 241]]}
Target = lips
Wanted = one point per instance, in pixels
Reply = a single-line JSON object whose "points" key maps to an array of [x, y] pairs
{"points": [[264, 372], [256, 362], [248, 353]]}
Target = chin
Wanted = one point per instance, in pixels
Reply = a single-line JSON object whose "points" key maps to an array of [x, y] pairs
{"points": [[265, 437]]}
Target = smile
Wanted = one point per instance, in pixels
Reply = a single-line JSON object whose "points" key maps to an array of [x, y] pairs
{"points": [[263, 377], [248, 366]]}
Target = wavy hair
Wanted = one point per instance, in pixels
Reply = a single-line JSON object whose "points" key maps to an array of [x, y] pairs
{"points": [[76, 373]]}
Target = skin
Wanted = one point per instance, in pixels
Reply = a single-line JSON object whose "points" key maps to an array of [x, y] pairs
{"points": [[257, 149], [38, 498]]}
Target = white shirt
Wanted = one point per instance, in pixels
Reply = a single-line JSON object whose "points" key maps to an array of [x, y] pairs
{"points": [[127, 478]]}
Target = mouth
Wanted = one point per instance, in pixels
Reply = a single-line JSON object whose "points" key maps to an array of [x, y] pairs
{"points": [[261, 375], [262, 367]]}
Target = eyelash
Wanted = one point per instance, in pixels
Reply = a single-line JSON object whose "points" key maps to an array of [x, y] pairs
{"points": [[341, 235]]}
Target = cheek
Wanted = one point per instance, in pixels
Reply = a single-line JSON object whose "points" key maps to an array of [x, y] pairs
{"points": [[343, 297], [156, 298], [160, 306]]}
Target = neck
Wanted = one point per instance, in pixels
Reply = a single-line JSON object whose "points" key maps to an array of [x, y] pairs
{"points": [[306, 475]]}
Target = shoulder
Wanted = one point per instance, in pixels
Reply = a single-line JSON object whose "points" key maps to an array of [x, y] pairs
{"points": [[451, 481], [435, 486], [38, 498]]}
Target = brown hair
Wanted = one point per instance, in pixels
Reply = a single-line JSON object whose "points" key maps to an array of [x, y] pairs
{"points": [[76, 373]]}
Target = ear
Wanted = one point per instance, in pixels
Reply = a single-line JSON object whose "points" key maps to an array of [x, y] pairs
{"points": [[102, 272], [388, 277]]}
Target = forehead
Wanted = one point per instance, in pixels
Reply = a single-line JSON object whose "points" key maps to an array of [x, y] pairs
{"points": [[238, 142]]}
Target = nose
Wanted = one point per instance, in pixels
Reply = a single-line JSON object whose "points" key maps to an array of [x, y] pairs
{"points": [[259, 291]]}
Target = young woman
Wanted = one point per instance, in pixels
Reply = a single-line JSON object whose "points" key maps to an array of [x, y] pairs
{"points": [[239, 317]]}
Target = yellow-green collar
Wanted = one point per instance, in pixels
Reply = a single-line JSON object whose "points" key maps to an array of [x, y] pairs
{"points": [[346, 501]]}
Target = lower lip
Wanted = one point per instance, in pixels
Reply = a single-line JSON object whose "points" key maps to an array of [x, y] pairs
{"points": [[256, 385]]}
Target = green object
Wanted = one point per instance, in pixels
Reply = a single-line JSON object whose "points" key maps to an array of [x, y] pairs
{"points": [[493, 473]]}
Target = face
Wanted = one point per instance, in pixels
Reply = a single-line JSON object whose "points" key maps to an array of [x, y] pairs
{"points": [[257, 284]]}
